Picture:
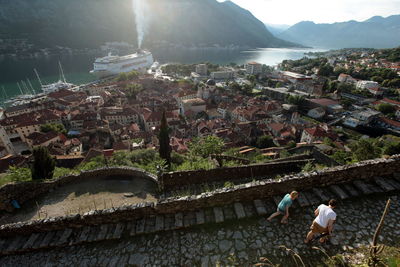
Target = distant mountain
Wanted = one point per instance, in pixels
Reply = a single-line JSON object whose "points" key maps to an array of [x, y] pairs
{"points": [[376, 32], [276, 29], [89, 23]]}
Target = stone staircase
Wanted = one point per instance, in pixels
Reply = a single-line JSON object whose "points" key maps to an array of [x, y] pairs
{"points": [[180, 220]]}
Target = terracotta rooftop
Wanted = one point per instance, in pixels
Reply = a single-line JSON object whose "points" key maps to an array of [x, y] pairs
{"points": [[324, 102], [45, 138]]}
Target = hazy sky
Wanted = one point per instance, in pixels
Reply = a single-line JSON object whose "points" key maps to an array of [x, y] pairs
{"points": [[319, 11]]}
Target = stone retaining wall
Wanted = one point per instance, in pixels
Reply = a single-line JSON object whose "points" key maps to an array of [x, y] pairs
{"points": [[230, 158], [224, 196], [323, 158], [174, 180], [295, 157], [25, 191]]}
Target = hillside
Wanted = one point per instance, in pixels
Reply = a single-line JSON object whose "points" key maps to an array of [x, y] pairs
{"points": [[276, 29], [376, 32], [89, 23]]}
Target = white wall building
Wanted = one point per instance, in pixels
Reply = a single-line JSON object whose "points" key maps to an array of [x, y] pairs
{"points": [[367, 85], [5, 141], [202, 69], [222, 75], [371, 86], [253, 68], [196, 105]]}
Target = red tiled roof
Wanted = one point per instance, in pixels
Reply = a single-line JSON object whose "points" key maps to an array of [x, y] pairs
{"points": [[63, 138], [43, 138], [108, 152], [391, 101], [324, 101], [61, 93], [120, 146], [277, 126], [316, 132], [390, 122], [34, 135], [29, 122]]}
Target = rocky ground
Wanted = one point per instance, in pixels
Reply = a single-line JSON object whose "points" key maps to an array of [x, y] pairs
{"points": [[240, 242]]}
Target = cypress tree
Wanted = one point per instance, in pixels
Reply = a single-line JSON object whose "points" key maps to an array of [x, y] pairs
{"points": [[163, 138], [43, 164]]}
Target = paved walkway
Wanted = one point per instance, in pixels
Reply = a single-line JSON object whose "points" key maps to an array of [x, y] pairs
{"points": [[246, 239]]}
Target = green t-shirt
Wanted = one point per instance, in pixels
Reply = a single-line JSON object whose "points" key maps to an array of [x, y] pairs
{"points": [[285, 202]]}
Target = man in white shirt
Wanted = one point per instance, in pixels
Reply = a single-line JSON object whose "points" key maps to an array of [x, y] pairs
{"points": [[323, 223]]}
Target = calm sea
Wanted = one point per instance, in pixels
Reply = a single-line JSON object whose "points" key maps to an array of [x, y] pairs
{"points": [[76, 67]]}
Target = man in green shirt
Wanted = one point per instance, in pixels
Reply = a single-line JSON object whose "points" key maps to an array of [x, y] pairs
{"points": [[283, 207]]}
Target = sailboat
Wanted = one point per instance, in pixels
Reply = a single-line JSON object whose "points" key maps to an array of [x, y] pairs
{"points": [[53, 87], [26, 94]]}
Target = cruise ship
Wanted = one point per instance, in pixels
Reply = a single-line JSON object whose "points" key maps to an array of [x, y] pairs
{"points": [[112, 65]]}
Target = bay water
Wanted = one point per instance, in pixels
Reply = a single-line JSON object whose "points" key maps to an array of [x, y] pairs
{"points": [[76, 67]]}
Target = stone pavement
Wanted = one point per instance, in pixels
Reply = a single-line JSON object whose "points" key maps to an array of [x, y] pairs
{"points": [[206, 245]]}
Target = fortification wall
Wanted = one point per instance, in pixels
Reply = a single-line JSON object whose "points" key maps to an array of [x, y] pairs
{"points": [[25, 191], [174, 180], [224, 196]]}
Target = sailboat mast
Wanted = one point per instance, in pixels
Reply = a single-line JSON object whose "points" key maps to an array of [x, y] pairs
{"points": [[5, 93], [30, 85], [20, 88], [62, 72], [26, 89], [37, 75]]}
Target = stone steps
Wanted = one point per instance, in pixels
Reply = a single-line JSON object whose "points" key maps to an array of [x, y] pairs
{"points": [[218, 214]]}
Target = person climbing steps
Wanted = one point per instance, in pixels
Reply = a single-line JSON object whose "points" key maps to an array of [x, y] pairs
{"points": [[283, 207]]}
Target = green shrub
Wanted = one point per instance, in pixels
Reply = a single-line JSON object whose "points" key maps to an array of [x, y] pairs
{"points": [[15, 174]]}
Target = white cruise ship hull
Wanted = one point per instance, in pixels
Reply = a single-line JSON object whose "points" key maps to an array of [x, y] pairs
{"points": [[102, 74], [113, 65]]}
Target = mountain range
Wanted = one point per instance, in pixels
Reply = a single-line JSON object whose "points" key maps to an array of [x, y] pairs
{"points": [[276, 29], [90, 23], [376, 32]]}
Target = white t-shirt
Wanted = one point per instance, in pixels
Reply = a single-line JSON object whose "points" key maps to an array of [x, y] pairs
{"points": [[325, 213]]}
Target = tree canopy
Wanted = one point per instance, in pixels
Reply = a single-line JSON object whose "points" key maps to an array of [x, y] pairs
{"points": [[386, 108], [55, 127], [295, 99], [206, 146], [365, 149], [265, 141], [132, 90], [127, 76]]}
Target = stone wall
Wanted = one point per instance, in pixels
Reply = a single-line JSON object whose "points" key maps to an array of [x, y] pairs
{"points": [[222, 158], [323, 158], [224, 196], [174, 180], [306, 156], [315, 153], [25, 191]]}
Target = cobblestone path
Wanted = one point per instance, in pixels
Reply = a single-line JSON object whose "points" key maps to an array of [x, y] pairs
{"points": [[247, 239]]}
